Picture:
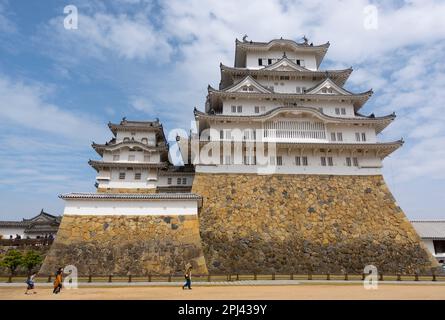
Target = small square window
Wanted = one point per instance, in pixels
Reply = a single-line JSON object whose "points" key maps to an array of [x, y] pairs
{"points": [[121, 175], [337, 111], [339, 136], [137, 176], [363, 136], [323, 161], [357, 136], [221, 134], [116, 157], [260, 61], [333, 136], [184, 180], [178, 181], [169, 180], [298, 161], [355, 161], [343, 111], [257, 109], [305, 161], [348, 162], [239, 109], [330, 161], [279, 161], [233, 109]]}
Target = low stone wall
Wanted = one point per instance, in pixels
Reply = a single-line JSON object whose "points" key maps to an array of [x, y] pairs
{"points": [[304, 223], [140, 245]]}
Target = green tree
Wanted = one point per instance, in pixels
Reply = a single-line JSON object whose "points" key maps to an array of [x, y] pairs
{"points": [[11, 260], [31, 259]]}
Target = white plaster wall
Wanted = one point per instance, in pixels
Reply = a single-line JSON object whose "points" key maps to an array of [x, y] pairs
{"points": [[6, 232], [138, 136], [430, 246], [367, 163], [249, 106], [163, 180], [252, 58], [148, 178], [125, 152], [288, 170], [348, 132], [130, 207]]}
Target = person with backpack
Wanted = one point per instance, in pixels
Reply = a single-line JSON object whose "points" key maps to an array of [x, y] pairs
{"points": [[188, 279]]}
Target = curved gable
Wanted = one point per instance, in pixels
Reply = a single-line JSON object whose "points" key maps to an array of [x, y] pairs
{"points": [[328, 87], [248, 84], [285, 64]]}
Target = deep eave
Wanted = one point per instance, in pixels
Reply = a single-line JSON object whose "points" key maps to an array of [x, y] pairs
{"points": [[384, 148], [97, 165], [339, 76], [100, 148], [130, 196], [379, 122], [358, 99]]}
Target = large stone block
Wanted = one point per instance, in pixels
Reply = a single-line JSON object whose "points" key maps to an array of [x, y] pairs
{"points": [[304, 223], [140, 245]]}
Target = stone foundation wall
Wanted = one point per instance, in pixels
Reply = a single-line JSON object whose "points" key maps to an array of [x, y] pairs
{"points": [[140, 245], [305, 223]]}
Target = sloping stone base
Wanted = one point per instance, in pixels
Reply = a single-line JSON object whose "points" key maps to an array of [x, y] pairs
{"points": [[304, 223], [140, 245]]}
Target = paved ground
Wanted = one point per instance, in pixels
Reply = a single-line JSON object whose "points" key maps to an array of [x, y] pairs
{"points": [[244, 290]]}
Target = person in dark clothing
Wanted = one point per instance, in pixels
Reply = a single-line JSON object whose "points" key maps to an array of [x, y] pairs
{"points": [[188, 279], [58, 281]]}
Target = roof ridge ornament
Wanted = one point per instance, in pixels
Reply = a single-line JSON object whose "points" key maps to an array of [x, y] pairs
{"points": [[245, 38], [284, 54], [305, 39]]}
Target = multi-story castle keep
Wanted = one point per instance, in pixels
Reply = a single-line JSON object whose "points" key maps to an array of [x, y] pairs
{"points": [[284, 176]]}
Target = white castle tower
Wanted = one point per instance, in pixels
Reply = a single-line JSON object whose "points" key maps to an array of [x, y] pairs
{"points": [[276, 95], [136, 160]]}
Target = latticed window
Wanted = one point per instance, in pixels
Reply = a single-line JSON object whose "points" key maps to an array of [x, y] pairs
{"points": [[286, 129], [339, 136], [122, 175], [137, 176], [355, 162], [298, 161], [304, 161]]}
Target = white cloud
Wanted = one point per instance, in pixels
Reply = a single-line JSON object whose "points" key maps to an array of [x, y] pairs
{"points": [[142, 104], [26, 105], [101, 34]]}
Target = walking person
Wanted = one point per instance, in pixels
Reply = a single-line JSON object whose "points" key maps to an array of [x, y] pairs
{"points": [[58, 281], [188, 279], [30, 283]]}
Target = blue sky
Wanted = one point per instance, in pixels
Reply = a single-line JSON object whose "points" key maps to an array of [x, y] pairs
{"points": [[147, 59]]}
